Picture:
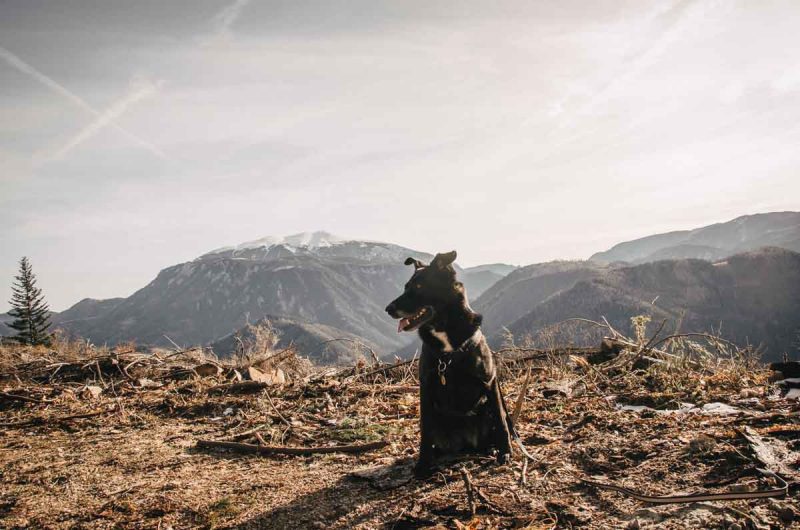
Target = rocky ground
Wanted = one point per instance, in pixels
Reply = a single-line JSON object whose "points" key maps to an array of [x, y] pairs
{"points": [[109, 439]]}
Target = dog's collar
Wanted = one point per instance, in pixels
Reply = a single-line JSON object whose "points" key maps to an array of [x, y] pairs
{"points": [[446, 357], [473, 340], [448, 350]]}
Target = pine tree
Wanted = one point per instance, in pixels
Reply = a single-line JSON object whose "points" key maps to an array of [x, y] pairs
{"points": [[29, 310]]}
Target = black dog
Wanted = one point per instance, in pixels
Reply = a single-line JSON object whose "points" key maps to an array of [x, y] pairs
{"points": [[461, 406]]}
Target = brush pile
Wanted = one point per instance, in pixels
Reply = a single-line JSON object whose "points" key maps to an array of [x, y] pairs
{"points": [[99, 438]]}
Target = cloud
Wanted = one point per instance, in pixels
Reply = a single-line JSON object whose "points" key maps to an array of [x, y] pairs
{"points": [[56, 87], [140, 90]]}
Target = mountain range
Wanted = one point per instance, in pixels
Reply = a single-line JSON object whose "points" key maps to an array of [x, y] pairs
{"points": [[314, 287], [749, 298], [717, 241]]}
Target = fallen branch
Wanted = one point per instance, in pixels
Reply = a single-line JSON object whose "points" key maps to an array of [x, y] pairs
{"points": [[15, 397], [696, 497], [242, 386], [283, 450], [57, 419]]}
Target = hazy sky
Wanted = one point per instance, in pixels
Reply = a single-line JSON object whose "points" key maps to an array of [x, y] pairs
{"points": [[138, 134]]}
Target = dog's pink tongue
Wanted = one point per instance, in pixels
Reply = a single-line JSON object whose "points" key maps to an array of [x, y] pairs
{"points": [[402, 324]]}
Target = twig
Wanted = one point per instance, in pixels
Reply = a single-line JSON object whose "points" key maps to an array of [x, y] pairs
{"points": [[385, 368], [177, 348], [489, 502], [357, 343], [614, 331], [265, 360], [99, 372], [523, 479], [521, 398], [241, 386], [272, 404], [34, 421], [282, 450], [247, 434], [469, 489], [24, 398], [646, 347], [685, 335]]}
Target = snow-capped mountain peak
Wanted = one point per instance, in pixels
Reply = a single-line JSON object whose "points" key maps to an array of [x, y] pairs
{"points": [[312, 239], [319, 244], [309, 240]]}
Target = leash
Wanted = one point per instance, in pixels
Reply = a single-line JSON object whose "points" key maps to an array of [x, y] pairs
{"points": [[697, 497]]}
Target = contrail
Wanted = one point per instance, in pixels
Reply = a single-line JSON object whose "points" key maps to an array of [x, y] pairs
{"points": [[667, 26], [109, 116], [26, 68], [227, 17]]}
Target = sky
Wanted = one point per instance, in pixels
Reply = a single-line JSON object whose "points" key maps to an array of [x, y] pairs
{"points": [[138, 135]]}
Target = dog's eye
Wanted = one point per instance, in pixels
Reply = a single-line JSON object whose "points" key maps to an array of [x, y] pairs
{"points": [[418, 286]]}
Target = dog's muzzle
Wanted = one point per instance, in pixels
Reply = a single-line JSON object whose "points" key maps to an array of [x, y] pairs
{"points": [[413, 322]]}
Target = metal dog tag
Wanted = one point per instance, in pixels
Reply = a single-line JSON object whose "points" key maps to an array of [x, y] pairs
{"points": [[441, 369]]}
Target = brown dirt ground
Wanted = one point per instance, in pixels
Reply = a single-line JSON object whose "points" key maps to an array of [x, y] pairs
{"points": [[135, 464]]}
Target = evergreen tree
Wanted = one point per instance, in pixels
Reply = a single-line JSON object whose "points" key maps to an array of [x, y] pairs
{"points": [[29, 310]]}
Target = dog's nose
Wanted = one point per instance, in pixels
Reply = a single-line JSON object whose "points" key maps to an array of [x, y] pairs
{"points": [[391, 308]]}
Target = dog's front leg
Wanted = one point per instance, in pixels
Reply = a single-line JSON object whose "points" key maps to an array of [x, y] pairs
{"points": [[424, 467], [501, 433]]}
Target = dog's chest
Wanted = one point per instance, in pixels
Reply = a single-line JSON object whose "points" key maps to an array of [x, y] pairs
{"points": [[455, 381], [444, 339]]}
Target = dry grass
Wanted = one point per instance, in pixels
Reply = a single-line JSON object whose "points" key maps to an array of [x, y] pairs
{"points": [[133, 463]]}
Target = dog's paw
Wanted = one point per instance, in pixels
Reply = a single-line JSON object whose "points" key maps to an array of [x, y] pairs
{"points": [[503, 458], [423, 470]]}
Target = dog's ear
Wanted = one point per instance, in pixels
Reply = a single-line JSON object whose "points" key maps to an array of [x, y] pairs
{"points": [[443, 260], [417, 263]]}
